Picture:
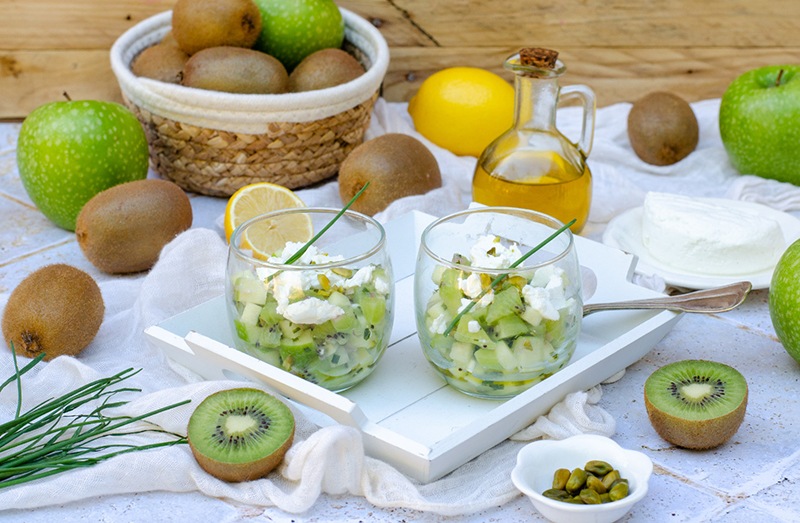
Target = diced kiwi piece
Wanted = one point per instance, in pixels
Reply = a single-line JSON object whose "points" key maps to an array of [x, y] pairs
{"points": [[438, 273], [531, 316], [479, 338], [249, 289], [240, 434], [442, 343], [323, 330], [291, 330], [450, 278], [488, 359], [505, 303], [248, 332], [348, 319], [510, 326], [269, 313], [270, 336], [462, 352], [555, 328], [505, 357], [374, 309], [451, 297], [435, 310], [250, 314], [298, 353], [534, 343]]}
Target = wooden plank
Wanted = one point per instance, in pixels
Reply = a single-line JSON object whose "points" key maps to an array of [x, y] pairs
{"points": [[608, 23], [76, 24], [616, 74], [95, 24], [29, 79]]}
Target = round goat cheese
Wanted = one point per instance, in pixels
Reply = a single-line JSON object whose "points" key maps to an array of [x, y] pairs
{"points": [[703, 235]]}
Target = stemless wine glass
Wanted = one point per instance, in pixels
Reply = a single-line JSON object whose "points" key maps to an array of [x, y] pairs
{"points": [[326, 317], [525, 327]]}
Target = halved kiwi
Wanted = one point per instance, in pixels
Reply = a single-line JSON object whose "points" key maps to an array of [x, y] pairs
{"points": [[696, 404], [240, 434]]}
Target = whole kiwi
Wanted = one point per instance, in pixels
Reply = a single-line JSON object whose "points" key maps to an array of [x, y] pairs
{"points": [[396, 165], [162, 62], [200, 24], [57, 310], [662, 128], [124, 228], [324, 68], [235, 70]]}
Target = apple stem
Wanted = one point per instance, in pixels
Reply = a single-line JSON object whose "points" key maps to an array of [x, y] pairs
{"points": [[778, 81], [70, 99]]}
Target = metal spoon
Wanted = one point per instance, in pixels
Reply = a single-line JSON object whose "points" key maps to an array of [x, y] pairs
{"points": [[720, 299]]}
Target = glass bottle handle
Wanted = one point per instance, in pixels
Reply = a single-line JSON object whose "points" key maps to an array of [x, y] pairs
{"points": [[589, 102]]}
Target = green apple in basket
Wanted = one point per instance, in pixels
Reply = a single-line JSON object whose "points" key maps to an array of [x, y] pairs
{"points": [[70, 151], [293, 29], [759, 122]]}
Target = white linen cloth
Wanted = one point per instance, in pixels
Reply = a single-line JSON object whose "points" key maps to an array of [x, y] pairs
{"points": [[331, 460]]}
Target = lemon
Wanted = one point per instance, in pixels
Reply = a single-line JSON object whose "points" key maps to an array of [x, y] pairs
{"points": [[463, 109], [267, 237]]}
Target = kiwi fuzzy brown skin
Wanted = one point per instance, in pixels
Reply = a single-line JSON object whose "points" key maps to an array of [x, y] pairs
{"points": [[162, 62], [697, 434], [57, 310], [324, 68], [239, 471], [200, 24], [123, 229], [235, 70], [662, 128], [395, 165]]}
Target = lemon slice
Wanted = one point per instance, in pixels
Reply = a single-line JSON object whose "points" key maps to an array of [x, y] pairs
{"points": [[269, 236]]}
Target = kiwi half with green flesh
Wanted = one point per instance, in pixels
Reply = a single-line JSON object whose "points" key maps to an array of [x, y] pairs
{"points": [[240, 434], [696, 404]]}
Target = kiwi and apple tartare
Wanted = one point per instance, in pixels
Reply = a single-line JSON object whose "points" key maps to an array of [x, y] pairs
{"points": [[316, 319], [518, 333]]}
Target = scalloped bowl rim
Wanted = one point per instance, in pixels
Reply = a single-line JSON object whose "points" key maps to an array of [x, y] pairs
{"points": [[549, 455]]}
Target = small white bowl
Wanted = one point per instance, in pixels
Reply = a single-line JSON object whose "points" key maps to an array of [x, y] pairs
{"points": [[538, 461]]}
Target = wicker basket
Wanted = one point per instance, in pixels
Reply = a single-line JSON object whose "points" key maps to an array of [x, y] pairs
{"points": [[215, 143]]}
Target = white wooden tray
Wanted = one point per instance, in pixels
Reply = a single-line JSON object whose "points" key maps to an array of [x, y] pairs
{"points": [[406, 413]]}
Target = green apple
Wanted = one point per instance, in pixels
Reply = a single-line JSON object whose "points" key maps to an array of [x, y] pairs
{"points": [[293, 29], [759, 121], [784, 300], [70, 151]]}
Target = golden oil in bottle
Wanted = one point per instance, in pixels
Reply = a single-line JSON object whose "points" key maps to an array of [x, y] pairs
{"points": [[542, 181]]}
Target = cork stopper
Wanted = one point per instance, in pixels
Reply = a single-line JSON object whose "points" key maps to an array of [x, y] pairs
{"points": [[538, 57]]}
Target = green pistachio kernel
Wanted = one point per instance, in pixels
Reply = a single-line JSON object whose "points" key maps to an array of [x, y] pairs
{"points": [[560, 479]]}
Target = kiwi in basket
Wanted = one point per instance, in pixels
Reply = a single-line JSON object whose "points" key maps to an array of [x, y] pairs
{"points": [[324, 68], [200, 24], [240, 434], [696, 404], [162, 62], [235, 70]]}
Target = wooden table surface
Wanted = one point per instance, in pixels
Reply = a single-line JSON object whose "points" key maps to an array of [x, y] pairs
{"points": [[623, 49]]}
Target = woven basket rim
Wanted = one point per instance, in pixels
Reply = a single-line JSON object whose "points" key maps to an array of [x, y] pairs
{"points": [[247, 113]]}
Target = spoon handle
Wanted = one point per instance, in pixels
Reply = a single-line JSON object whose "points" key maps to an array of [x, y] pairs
{"points": [[720, 299]]}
